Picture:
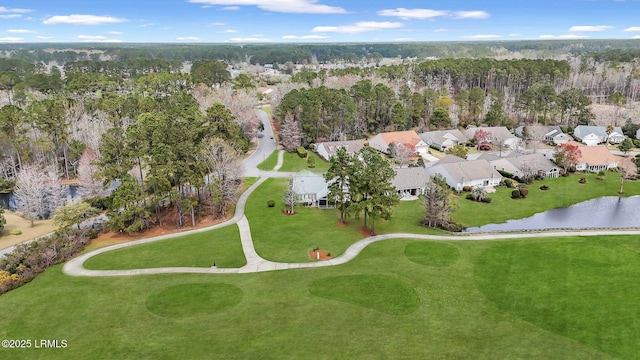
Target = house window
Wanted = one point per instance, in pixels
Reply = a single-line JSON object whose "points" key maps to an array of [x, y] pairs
{"points": [[486, 183]]}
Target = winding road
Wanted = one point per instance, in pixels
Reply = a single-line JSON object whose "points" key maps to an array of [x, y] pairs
{"points": [[255, 263]]}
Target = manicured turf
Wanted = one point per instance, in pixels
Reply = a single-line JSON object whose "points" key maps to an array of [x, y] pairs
{"points": [[432, 253], [289, 238], [196, 250], [270, 162], [381, 293], [557, 298], [563, 192], [285, 238], [293, 162], [584, 290], [194, 300]]}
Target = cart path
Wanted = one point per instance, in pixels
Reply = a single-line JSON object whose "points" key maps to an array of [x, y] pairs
{"points": [[255, 263]]}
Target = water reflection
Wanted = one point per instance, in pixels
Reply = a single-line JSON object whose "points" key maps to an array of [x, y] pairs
{"points": [[604, 212]]}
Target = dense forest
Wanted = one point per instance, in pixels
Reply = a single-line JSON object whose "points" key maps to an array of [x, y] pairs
{"points": [[165, 126], [611, 50]]}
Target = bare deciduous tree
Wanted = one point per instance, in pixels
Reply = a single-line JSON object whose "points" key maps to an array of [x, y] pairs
{"points": [[90, 184], [290, 134], [403, 154], [223, 165], [38, 191]]}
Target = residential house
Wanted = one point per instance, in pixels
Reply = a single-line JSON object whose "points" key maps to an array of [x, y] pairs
{"points": [[450, 159], [443, 139], [311, 189], [594, 135], [550, 134], [523, 165], [382, 141], [595, 158], [327, 149], [467, 173], [410, 182], [497, 135]]}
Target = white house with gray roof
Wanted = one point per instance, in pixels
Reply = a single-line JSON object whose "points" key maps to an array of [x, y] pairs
{"points": [[550, 134], [327, 149], [497, 135], [467, 173], [311, 189], [523, 165], [443, 139], [594, 135], [410, 181]]}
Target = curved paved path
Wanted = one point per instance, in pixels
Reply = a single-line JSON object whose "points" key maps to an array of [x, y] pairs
{"points": [[255, 263]]}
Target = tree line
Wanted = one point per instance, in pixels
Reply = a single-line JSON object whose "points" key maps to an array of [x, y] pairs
{"points": [[171, 143]]}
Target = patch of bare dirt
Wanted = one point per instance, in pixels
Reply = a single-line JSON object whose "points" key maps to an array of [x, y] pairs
{"points": [[319, 254], [14, 221], [168, 227]]}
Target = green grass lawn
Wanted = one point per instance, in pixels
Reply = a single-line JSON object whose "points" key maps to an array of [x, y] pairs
{"points": [[294, 163], [195, 250], [279, 237], [563, 192], [270, 162], [562, 298]]}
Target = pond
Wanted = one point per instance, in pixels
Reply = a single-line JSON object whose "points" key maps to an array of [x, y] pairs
{"points": [[605, 212], [8, 200]]}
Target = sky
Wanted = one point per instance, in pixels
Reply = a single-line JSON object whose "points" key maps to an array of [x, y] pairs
{"points": [[309, 21]]}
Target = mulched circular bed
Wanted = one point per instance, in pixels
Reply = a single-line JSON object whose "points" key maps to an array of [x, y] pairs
{"points": [[365, 231], [323, 254], [287, 212], [344, 224]]}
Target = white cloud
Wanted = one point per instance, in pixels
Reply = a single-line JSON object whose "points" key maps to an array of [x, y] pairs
{"points": [[404, 13], [304, 37], [10, 16], [228, 31], [483, 37], [97, 38], [82, 20], [565, 37], [115, 33], [283, 6], [440, 30], [147, 24], [514, 35], [231, 8], [359, 27], [590, 28], [471, 14], [11, 40], [248, 40], [636, 37], [14, 10], [188, 38], [632, 29], [20, 31], [217, 24]]}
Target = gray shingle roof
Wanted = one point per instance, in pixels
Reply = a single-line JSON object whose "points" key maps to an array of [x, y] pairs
{"points": [[410, 178]]}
